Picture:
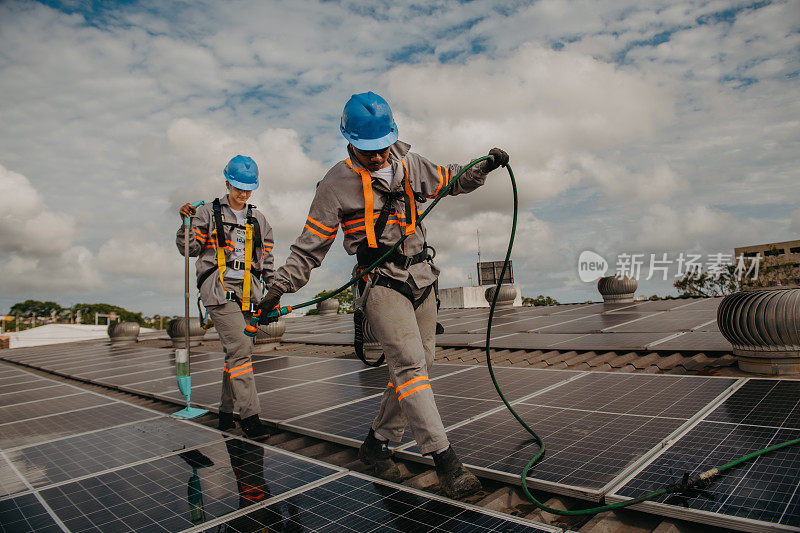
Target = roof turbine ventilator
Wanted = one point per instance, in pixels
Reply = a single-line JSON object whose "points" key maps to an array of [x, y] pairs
{"points": [[764, 327], [617, 289]]}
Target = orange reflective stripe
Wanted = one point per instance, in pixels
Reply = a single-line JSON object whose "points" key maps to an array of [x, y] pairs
{"points": [[353, 230], [321, 225], [389, 384], [241, 366], [410, 381], [366, 186], [411, 227], [318, 234], [441, 181], [412, 391], [242, 372]]}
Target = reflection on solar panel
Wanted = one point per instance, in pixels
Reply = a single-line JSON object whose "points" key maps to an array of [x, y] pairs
{"points": [[595, 426], [153, 495], [759, 495], [355, 503]]}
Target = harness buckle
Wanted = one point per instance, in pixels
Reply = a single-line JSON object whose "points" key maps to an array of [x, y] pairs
{"points": [[407, 261], [237, 265]]}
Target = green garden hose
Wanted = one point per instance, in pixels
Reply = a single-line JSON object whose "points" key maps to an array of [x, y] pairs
{"points": [[699, 480]]}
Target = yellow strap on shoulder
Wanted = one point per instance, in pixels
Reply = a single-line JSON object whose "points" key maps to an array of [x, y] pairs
{"points": [[220, 259], [369, 219], [248, 260]]}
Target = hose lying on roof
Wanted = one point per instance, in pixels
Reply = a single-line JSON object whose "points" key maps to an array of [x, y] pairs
{"points": [[698, 481]]}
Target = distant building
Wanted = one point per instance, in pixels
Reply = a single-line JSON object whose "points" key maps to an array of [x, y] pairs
{"points": [[779, 266]]}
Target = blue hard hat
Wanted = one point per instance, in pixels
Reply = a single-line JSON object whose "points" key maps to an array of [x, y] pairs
{"points": [[367, 122], [242, 173]]}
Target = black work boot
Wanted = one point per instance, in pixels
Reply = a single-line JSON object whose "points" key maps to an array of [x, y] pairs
{"points": [[253, 428], [455, 480], [376, 453], [225, 421]]}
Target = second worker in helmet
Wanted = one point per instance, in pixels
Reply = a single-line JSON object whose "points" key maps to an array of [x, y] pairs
{"points": [[373, 196]]}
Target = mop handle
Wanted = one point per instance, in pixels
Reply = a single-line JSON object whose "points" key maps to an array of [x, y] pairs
{"points": [[186, 225]]}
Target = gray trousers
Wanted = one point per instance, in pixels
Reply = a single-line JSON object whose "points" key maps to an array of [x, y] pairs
{"points": [[408, 338], [238, 383]]}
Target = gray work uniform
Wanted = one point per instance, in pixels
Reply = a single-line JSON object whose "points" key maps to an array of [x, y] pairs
{"points": [[238, 385], [407, 336]]}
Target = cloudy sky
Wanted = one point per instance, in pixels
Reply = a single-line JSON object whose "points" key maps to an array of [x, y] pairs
{"points": [[633, 126]]}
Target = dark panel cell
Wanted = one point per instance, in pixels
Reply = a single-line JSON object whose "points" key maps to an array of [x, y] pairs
{"points": [[179, 491], [268, 382], [354, 504], [87, 454], [57, 390], [305, 399], [531, 341], [29, 432], [26, 411], [25, 513]]}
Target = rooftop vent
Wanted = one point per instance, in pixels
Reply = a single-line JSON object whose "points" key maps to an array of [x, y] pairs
{"points": [[764, 327], [617, 289], [123, 332]]}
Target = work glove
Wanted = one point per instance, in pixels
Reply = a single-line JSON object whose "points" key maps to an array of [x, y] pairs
{"points": [[270, 302], [500, 159]]}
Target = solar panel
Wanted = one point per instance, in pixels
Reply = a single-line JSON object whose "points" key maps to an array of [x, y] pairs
{"points": [[10, 482], [595, 427], [90, 453], [56, 390], [39, 408], [757, 495], [460, 396], [26, 513], [29, 432], [308, 398], [700, 341], [178, 491], [357, 503]]}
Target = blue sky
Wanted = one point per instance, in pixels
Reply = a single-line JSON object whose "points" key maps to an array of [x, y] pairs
{"points": [[645, 127]]}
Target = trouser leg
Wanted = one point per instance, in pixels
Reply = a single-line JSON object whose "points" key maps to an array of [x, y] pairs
{"points": [[226, 402], [229, 323], [409, 353]]}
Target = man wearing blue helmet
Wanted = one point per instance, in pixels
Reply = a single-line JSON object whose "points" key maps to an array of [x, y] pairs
{"points": [[233, 244], [372, 196]]}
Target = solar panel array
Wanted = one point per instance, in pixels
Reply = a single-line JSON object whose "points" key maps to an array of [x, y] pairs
{"points": [[600, 428], [657, 325], [150, 472], [763, 494]]}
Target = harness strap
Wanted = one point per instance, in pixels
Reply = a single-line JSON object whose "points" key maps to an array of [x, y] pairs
{"points": [[219, 231], [411, 205], [248, 260], [366, 185]]}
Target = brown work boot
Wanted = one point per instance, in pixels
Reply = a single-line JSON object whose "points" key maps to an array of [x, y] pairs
{"points": [[376, 453], [455, 480], [253, 428]]}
